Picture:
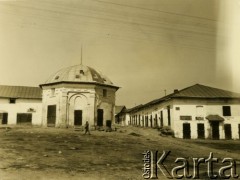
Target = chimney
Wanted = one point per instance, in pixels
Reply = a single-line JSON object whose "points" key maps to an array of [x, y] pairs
{"points": [[175, 90]]}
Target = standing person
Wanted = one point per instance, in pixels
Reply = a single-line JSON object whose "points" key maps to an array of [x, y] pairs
{"points": [[87, 128]]}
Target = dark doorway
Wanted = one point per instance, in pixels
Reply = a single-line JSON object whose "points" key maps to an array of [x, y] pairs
{"points": [[156, 121], [186, 131], [5, 118], [24, 118], [169, 116], [239, 130], [100, 117], [146, 121], [77, 117], [215, 130], [201, 131], [161, 119], [51, 115], [151, 123], [228, 131], [109, 123]]}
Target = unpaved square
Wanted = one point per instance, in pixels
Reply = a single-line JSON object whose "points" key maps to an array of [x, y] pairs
{"points": [[51, 153]]}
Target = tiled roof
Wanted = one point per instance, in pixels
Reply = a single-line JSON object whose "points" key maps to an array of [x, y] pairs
{"points": [[201, 91], [118, 109], [134, 108], [79, 73], [20, 92], [156, 101], [195, 91]]}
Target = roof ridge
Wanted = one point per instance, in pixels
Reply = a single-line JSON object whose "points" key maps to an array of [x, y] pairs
{"points": [[219, 89], [175, 94], [199, 90], [8, 91], [19, 86], [186, 88]]}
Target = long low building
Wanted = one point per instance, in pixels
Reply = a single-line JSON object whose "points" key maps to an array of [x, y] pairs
{"points": [[195, 112], [20, 105]]}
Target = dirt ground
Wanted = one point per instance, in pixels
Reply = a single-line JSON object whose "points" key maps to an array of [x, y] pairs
{"points": [[51, 153]]}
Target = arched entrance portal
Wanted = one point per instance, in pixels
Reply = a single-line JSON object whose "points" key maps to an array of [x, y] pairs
{"points": [[79, 110]]}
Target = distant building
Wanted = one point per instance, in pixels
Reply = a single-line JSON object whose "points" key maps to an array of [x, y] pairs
{"points": [[20, 105], [195, 112], [129, 119], [69, 98], [120, 115]]}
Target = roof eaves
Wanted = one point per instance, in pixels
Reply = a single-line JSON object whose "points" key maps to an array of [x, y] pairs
{"points": [[191, 97], [73, 82], [153, 102], [14, 97], [203, 88]]}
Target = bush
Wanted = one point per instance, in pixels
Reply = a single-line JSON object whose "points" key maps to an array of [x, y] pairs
{"points": [[166, 130]]}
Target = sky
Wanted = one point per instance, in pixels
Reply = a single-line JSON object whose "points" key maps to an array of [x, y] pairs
{"points": [[144, 46]]}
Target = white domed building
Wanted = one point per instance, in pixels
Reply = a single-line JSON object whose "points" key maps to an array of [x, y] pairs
{"points": [[77, 94]]}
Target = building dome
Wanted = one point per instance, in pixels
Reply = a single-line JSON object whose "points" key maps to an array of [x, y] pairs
{"points": [[79, 73]]}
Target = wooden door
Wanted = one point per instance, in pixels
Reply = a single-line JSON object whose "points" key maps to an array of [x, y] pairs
{"points": [[100, 117], [186, 131], [5, 118], [201, 131], [228, 131], [51, 115], [161, 119], [77, 117], [151, 123], [239, 130], [169, 116], [215, 130], [146, 121]]}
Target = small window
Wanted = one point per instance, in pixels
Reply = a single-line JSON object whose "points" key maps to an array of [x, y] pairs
{"points": [[31, 110], [52, 91], [104, 93], [95, 76], [81, 72], [77, 76], [199, 118], [57, 77], [185, 117], [177, 108], [226, 111], [199, 113], [12, 101]]}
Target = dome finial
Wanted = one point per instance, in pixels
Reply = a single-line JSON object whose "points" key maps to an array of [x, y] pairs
{"points": [[81, 55]]}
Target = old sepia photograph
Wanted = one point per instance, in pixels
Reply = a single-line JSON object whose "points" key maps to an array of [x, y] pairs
{"points": [[119, 89]]}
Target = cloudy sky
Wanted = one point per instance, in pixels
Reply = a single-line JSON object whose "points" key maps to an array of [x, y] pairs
{"points": [[143, 46]]}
